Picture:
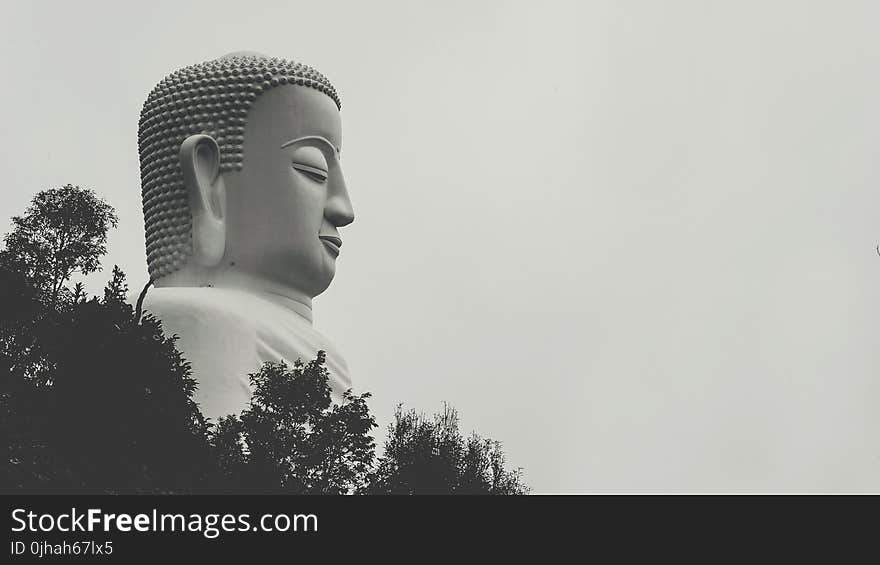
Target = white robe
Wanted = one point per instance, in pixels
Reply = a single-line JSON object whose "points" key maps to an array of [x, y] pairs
{"points": [[227, 334]]}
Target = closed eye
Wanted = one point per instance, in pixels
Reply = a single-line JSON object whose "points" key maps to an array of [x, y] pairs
{"points": [[314, 173]]}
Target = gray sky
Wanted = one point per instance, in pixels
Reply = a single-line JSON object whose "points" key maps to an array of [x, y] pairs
{"points": [[634, 241]]}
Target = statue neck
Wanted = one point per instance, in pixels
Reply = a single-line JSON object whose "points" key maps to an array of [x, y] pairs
{"points": [[284, 296]]}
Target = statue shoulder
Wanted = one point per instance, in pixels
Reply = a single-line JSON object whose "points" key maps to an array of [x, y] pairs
{"points": [[203, 310]]}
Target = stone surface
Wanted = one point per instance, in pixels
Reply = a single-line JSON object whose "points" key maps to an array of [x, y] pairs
{"points": [[243, 198]]}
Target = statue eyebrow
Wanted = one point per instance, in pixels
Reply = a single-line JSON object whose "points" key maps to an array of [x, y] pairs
{"points": [[312, 138]]}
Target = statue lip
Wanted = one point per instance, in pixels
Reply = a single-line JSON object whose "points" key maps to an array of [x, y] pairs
{"points": [[331, 241]]}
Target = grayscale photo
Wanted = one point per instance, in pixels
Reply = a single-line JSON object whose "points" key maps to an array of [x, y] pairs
{"points": [[436, 248]]}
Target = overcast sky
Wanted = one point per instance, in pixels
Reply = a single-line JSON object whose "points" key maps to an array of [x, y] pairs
{"points": [[634, 241]]}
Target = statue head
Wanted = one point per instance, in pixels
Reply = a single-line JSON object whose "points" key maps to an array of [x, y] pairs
{"points": [[240, 173]]}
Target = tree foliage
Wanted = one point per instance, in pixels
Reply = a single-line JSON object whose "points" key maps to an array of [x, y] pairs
{"points": [[106, 406], [90, 400], [63, 231], [430, 456], [292, 438]]}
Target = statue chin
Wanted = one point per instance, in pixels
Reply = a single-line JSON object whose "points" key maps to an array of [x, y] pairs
{"points": [[242, 186]]}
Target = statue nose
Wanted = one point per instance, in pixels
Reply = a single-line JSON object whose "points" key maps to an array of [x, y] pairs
{"points": [[338, 209]]}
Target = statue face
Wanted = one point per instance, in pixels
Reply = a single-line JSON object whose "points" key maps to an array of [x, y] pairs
{"points": [[285, 205]]}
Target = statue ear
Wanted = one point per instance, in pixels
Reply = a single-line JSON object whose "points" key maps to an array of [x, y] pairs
{"points": [[200, 161]]}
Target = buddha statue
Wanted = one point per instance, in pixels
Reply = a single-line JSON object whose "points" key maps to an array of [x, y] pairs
{"points": [[243, 198]]}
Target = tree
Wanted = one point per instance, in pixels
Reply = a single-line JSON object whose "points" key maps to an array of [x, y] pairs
{"points": [[292, 438], [430, 456], [91, 400], [114, 413], [116, 290], [64, 230], [21, 308]]}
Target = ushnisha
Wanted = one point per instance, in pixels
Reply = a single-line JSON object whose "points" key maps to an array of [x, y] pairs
{"points": [[243, 198]]}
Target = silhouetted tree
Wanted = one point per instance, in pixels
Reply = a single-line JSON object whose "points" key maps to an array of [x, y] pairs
{"points": [[116, 290], [430, 456], [20, 311], [90, 400], [292, 438], [64, 230], [115, 412]]}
